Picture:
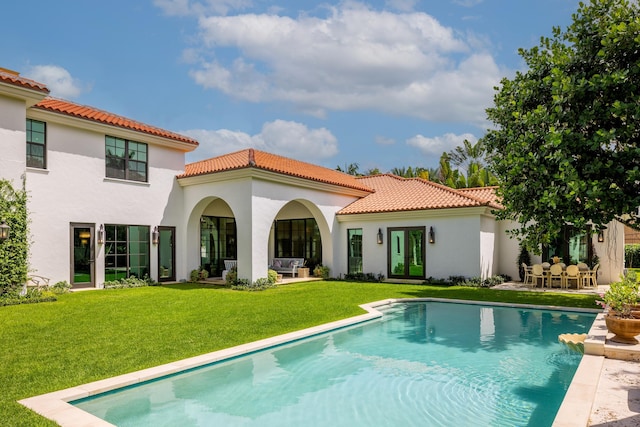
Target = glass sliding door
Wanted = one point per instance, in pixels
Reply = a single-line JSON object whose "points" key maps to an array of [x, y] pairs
{"points": [[217, 243], [126, 251], [82, 255], [298, 238], [406, 257], [572, 246]]}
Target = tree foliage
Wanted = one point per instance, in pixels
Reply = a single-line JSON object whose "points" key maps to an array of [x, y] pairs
{"points": [[13, 251], [566, 146]]}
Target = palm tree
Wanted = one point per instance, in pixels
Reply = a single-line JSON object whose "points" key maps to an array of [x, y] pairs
{"points": [[462, 157]]}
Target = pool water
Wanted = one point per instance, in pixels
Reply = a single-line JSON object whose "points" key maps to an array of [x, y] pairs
{"points": [[421, 364]]}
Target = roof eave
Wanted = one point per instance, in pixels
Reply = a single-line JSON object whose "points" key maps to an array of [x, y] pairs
{"points": [[30, 96], [110, 129], [268, 175], [416, 213]]}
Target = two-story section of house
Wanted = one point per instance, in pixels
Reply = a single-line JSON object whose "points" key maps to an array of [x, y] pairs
{"points": [[102, 188]]}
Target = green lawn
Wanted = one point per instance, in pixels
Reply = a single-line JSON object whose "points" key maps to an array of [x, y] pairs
{"points": [[86, 336]]}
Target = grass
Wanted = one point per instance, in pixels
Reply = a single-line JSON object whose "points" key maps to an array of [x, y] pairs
{"points": [[86, 336]]}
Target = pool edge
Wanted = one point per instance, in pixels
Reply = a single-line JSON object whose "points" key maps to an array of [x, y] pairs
{"points": [[55, 406], [577, 405]]}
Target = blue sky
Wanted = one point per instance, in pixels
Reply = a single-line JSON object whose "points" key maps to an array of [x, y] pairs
{"points": [[380, 83]]}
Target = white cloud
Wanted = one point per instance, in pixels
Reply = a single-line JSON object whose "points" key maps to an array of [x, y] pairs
{"points": [[290, 139], [57, 79], [439, 144], [355, 58]]}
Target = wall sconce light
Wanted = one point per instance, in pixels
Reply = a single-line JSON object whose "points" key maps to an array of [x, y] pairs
{"points": [[432, 235], [155, 236], [379, 236], [4, 231], [601, 236], [101, 234]]}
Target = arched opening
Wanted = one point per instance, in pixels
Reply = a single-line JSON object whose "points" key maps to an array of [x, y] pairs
{"points": [[218, 237], [297, 233]]}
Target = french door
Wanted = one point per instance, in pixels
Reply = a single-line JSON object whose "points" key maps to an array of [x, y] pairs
{"points": [[166, 254], [82, 255], [406, 256]]}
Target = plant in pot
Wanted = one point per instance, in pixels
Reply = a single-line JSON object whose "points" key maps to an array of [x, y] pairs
{"points": [[622, 317]]}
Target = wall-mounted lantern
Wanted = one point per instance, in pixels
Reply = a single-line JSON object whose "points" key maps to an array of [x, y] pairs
{"points": [[155, 236], [601, 236], [432, 235], [101, 234], [379, 236], [4, 231]]}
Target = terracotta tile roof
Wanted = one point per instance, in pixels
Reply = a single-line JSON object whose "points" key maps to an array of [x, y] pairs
{"points": [[488, 194], [251, 158], [395, 194], [13, 78], [93, 114]]}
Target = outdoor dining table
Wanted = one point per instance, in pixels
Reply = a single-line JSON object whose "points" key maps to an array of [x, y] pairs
{"points": [[546, 267]]}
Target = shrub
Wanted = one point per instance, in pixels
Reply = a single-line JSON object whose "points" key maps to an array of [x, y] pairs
{"points": [[523, 257], [632, 255], [477, 282], [61, 287], [129, 282], [364, 277], [456, 280], [232, 276], [259, 285], [14, 250], [430, 281], [27, 296], [200, 274], [272, 275], [321, 271]]}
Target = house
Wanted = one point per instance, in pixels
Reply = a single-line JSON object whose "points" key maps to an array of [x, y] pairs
{"points": [[111, 197]]}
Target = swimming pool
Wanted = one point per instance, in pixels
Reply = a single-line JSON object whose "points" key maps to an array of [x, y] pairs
{"points": [[422, 363]]}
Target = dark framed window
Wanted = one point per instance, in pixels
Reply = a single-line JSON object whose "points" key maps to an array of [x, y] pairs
{"points": [[572, 246], [299, 238], [126, 159], [36, 144], [126, 251], [354, 242]]}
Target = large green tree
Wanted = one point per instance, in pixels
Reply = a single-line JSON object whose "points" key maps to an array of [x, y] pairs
{"points": [[566, 147]]}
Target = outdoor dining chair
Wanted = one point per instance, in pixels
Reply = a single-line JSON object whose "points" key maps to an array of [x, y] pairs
{"points": [[590, 277], [537, 272], [556, 275], [573, 274], [527, 273]]}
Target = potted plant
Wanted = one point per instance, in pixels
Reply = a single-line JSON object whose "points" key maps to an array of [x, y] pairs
{"points": [[622, 317]]}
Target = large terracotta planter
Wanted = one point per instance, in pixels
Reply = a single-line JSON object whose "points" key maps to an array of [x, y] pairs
{"points": [[625, 330]]}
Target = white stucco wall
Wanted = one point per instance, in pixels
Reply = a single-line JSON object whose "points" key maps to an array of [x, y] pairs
{"points": [[611, 253], [256, 203], [12, 140], [74, 189], [456, 252]]}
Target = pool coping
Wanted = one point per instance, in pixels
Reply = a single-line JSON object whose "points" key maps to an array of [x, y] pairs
{"points": [[55, 406]]}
